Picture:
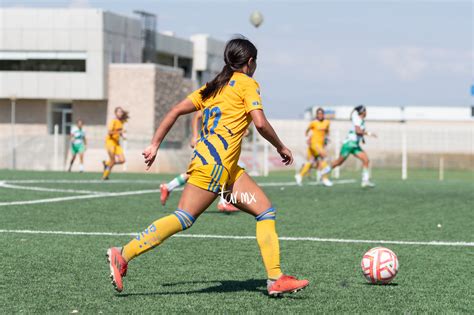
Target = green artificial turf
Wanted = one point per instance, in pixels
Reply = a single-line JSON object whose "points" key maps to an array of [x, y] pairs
{"points": [[66, 273]]}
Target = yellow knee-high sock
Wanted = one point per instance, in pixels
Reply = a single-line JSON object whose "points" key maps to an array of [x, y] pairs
{"points": [[304, 170], [157, 233], [107, 169], [267, 239]]}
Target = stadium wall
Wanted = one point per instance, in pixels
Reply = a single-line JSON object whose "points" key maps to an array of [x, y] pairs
{"points": [[427, 142]]}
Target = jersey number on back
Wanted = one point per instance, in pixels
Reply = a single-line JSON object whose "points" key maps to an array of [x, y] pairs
{"points": [[208, 113]]}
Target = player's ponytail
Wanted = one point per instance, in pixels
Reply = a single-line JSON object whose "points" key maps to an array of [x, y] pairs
{"points": [[237, 54], [125, 116], [359, 109]]}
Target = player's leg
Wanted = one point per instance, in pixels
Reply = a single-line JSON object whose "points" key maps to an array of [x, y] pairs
{"points": [[192, 204], [225, 205], [167, 188], [362, 155], [110, 163], [73, 158], [251, 199], [200, 191], [346, 150], [306, 167], [119, 156], [322, 165], [81, 162], [81, 158]]}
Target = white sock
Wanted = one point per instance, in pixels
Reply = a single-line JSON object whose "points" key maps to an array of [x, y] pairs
{"points": [[365, 175], [326, 170], [81, 167], [179, 180]]}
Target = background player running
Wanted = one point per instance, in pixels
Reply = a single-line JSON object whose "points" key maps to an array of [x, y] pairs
{"points": [[318, 130], [78, 145], [351, 145], [229, 103], [112, 141]]}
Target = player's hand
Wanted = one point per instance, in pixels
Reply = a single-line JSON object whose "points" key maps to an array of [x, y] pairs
{"points": [[286, 155], [193, 142], [150, 154]]}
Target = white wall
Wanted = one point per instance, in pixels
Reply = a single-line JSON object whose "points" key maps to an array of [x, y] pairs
{"points": [[408, 113], [102, 36], [208, 56], [54, 30]]}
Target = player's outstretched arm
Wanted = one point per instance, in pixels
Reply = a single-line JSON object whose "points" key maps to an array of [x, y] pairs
{"points": [[182, 108], [266, 130], [195, 128]]}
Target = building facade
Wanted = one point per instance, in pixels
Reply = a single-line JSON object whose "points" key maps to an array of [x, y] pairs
{"points": [[56, 66]]}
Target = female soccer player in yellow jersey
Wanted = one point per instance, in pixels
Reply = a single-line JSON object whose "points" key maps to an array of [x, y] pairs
{"points": [[229, 103], [112, 141], [319, 129]]}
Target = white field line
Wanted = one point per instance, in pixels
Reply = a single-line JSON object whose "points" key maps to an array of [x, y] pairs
{"points": [[82, 181], [48, 200], [139, 181], [76, 191], [125, 193], [233, 237]]}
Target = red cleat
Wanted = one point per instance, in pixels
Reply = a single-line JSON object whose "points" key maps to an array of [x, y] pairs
{"points": [[285, 284], [118, 267], [164, 194], [226, 207]]}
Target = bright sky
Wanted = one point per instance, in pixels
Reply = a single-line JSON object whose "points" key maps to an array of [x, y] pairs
{"points": [[332, 52]]}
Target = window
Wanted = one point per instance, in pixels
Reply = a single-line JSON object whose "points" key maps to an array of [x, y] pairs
{"points": [[61, 115], [43, 61], [43, 65]]}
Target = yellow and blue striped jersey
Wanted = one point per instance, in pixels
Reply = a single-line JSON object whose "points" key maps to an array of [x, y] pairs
{"points": [[224, 121]]}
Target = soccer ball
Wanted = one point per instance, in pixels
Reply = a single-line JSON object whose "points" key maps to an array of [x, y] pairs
{"points": [[379, 265]]}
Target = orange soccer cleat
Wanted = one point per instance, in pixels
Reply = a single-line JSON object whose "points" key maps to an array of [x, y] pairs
{"points": [[118, 267], [285, 284], [165, 193]]}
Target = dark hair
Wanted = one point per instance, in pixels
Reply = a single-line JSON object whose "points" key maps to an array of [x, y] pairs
{"points": [[320, 109], [237, 53], [125, 115], [359, 109]]}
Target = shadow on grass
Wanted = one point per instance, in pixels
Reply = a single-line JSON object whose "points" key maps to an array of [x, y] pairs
{"points": [[225, 286], [391, 284], [223, 212]]}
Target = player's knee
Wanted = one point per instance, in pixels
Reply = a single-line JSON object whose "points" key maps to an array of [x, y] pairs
{"points": [[186, 219]]}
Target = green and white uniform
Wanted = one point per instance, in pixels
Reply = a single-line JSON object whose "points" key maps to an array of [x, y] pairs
{"points": [[77, 143], [351, 144]]}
